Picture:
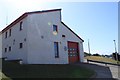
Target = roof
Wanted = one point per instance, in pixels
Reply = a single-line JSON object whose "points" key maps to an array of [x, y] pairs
{"points": [[14, 22], [35, 12], [43, 11], [25, 15]]}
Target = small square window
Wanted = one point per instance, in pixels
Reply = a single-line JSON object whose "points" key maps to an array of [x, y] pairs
{"points": [[24, 39], [55, 28], [63, 35], [5, 49], [9, 48], [14, 42]]}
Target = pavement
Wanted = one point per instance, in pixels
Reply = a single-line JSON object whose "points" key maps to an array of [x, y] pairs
{"points": [[102, 70]]}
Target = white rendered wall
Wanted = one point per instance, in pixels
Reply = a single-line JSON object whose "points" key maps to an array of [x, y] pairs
{"points": [[37, 50], [41, 51], [0, 45], [19, 36], [118, 27], [119, 34], [72, 37]]}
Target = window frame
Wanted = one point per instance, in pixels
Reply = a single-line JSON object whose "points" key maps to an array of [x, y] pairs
{"points": [[14, 42], [5, 50], [21, 26], [6, 34], [56, 49], [9, 32], [20, 45], [9, 48], [55, 28]]}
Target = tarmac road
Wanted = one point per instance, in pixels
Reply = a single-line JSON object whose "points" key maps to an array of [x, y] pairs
{"points": [[102, 70]]}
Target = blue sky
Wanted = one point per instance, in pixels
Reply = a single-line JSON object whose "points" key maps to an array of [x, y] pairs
{"points": [[96, 21]]}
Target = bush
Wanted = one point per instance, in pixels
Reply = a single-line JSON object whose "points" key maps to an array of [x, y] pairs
{"points": [[86, 54], [114, 56], [96, 54]]}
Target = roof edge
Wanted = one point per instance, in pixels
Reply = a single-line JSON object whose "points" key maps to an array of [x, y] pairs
{"points": [[43, 11], [25, 15], [72, 31], [14, 22]]}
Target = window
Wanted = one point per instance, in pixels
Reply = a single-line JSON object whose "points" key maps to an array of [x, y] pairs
{"points": [[5, 49], [14, 42], [9, 48], [24, 39], [6, 35], [63, 36], [21, 45], [10, 32], [21, 26], [56, 49], [55, 28]]}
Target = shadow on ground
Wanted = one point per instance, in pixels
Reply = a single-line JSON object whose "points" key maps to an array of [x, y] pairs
{"points": [[15, 70], [102, 71]]}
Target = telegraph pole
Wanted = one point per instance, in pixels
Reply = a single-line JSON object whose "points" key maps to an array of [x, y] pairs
{"points": [[7, 18], [115, 50], [88, 46]]}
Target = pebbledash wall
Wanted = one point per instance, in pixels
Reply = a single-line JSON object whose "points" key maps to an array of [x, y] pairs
{"points": [[38, 39]]}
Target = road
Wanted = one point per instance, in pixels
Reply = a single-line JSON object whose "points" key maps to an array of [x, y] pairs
{"points": [[102, 70]]}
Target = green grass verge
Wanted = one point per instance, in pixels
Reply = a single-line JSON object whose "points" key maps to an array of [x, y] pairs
{"points": [[3, 76], [102, 59], [14, 70]]}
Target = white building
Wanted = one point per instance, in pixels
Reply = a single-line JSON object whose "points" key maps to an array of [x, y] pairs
{"points": [[0, 45], [41, 38], [119, 28]]}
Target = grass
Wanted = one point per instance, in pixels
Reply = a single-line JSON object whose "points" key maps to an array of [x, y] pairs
{"points": [[3, 76], [14, 70], [102, 59]]}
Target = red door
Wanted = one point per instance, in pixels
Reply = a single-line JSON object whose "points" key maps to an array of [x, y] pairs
{"points": [[73, 52]]}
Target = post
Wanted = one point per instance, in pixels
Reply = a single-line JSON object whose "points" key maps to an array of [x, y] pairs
{"points": [[7, 18], [115, 51], [89, 46]]}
